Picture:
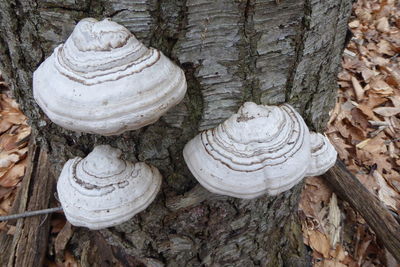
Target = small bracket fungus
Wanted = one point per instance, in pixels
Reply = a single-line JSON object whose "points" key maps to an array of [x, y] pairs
{"points": [[323, 155], [102, 190], [259, 150], [104, 81]]}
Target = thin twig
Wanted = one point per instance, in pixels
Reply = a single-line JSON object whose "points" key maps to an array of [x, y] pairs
{"points": [[29, 214]]}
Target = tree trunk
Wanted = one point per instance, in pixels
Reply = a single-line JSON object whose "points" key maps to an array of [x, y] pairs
{"points": [[232, 51]]}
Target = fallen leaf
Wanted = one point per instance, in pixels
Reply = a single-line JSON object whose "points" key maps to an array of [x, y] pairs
{"points": [[319, 242], [387, 111], [386, 194], [5, 125], [368, 74], [358, 90], [14, 175], [333, 227], [354, 24], [386, 48], [380, 86], [382, 24], [5, 192], [8, 141], [359, 118]]}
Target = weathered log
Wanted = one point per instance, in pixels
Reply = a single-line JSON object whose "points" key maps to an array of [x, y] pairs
{"points": [[27, 245], [374, 212]]}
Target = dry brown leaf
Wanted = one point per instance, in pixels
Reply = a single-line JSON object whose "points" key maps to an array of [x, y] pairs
{"points": [[394, 124], [366, 147], [354, 24], [393, 75], [368, 74], [5, 192], [23, 135], [382, 24], [8, 159], [386, 48], [14, 175], [381, 61], [367, 110], [8, 141], [386, 194], [344, 76], [358, 90], [4, 125], [14, 117], [334, 218], [319, 242], [340, 146], [395, 100], [387, 111], [359, 119], [380, 86], [376, 146]]}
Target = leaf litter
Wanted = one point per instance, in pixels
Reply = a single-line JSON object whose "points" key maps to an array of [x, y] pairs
{"points": [[14, 136], [365, 130]]}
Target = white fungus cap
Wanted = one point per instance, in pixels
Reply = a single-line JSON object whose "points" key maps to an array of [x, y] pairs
{"points": [[259, 150], [104, 81], [102, 190]]}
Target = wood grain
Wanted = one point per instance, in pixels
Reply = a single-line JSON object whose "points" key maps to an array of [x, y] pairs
{"points": [[377, 216], [27, 246]]}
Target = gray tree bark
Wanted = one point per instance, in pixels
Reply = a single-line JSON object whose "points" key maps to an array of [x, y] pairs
{"points": [[232, 51]]}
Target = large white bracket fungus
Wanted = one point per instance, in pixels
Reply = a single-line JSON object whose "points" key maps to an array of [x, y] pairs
{"points": [[259, 150], [104, 81], [102, 190]]}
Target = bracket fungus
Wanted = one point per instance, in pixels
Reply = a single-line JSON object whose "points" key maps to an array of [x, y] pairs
{"points": [[102, 190], [260, 150], [103, 80]]}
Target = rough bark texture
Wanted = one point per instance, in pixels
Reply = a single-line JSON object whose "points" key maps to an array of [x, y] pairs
{"points": [[266, 51]]}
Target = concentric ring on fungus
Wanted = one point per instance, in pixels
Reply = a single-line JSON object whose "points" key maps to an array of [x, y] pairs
{"points": [[96, 201], [211, 143], [103, 80], [260, 150]]}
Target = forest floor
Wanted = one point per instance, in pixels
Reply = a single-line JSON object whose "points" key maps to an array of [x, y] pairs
{"points": [[365, 130], [364, 127]]}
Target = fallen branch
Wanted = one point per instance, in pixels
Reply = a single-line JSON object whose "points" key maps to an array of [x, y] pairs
{"points": [[377, 216]]}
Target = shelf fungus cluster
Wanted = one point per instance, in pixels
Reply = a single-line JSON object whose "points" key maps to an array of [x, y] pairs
{"points": [[260, 150], [103, 190], [103, 80]]}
